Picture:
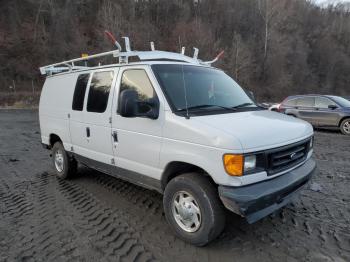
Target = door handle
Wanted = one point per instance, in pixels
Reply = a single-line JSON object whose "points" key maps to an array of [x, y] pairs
{"points": [[88, 131], [115, 136]]}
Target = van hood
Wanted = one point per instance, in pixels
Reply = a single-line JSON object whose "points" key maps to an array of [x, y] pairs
{"points": [[259, 130]]}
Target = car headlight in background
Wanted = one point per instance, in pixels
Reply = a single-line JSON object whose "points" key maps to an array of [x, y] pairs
{"points": [[236, 165]]}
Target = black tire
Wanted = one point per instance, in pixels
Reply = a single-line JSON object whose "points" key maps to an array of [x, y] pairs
{"points": [[344, 126], [69, 167], [212, 210]]}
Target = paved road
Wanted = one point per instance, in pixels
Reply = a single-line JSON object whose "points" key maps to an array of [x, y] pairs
{"points": [[94, 217]]}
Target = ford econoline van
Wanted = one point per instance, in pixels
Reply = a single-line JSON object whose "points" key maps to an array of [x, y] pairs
{"points": [[177, 125]]}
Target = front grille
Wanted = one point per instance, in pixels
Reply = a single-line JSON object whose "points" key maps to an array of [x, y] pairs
{"points": [[287, 157]]}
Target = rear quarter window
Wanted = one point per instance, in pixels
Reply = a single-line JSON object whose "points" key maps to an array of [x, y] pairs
{"points": [[79, 92]]}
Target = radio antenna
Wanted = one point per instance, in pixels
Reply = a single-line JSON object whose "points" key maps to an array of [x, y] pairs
{"points": [[185, 90]]}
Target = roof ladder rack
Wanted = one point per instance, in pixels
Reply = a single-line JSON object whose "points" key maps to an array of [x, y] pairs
{"points": [[123, 57]]}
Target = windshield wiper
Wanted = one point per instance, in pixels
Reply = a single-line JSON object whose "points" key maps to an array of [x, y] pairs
{"points": [[243, 105], [206, 106]]}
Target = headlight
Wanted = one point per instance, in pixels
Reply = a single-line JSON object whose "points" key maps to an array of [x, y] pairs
{"points": [[236, 165], [249, 163]]}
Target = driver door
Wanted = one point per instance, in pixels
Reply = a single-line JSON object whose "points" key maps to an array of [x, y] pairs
{"points": [[137, 140]]}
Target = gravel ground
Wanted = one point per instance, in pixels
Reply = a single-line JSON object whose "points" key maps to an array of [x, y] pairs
{"points": [[94, 217]]}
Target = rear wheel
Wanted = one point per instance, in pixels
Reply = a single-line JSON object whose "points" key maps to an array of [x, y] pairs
{"points": [[65, 166], [193, 209], [345, 126]]}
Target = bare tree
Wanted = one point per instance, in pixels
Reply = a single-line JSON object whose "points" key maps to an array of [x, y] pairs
{"points": [[267, 10], [241, 58]]}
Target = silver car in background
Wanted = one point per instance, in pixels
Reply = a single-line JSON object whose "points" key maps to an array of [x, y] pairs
{"points": [[322, 111]]}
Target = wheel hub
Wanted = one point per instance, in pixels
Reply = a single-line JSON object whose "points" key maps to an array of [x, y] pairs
{"points": [[186, 212], [59, 160], [346, 127]]}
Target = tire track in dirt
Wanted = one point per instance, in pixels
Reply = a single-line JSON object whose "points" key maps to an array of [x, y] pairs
{"points": [[108, 229], [42, 238]]}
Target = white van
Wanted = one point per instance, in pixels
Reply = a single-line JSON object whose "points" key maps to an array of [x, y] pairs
{"points": [[174, 124]]}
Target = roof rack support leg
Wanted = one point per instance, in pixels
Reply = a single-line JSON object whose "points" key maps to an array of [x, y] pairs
{"points": [[195, 54], [127, 44]]}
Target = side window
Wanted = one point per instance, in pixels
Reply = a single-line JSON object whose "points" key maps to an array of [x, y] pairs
{"points": [[323, 102], [138, 80], [79, 92], [306, 102], [99, 91]]}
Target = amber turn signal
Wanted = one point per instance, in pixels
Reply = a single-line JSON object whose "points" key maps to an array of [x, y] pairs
{"points": [[234, 164]]}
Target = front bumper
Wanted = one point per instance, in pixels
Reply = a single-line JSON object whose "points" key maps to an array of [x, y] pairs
{"points": [[257, 201]]}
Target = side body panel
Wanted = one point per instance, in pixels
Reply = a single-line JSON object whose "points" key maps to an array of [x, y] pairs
{"points": [[55, 106], [326, 117], [307, 113]]}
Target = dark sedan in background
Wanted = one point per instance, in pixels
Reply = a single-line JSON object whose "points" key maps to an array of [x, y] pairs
{"points": [[321, 111]]}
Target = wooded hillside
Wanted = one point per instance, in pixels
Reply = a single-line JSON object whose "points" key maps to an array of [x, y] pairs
{"points": [[272, 47]]}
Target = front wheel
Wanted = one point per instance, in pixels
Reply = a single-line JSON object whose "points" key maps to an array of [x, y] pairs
{"points": [[193, 209], [65, 166], [345, 126]]}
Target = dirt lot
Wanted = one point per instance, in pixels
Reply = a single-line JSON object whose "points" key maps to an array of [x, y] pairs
{"points": [[94, 217]]}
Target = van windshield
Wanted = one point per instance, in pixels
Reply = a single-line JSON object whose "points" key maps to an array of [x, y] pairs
{"points": [[195, 88]]}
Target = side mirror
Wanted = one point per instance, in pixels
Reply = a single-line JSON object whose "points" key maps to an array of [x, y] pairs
{"points": [[127, 103], [149, 108], [332, 107], [130, 105]]}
